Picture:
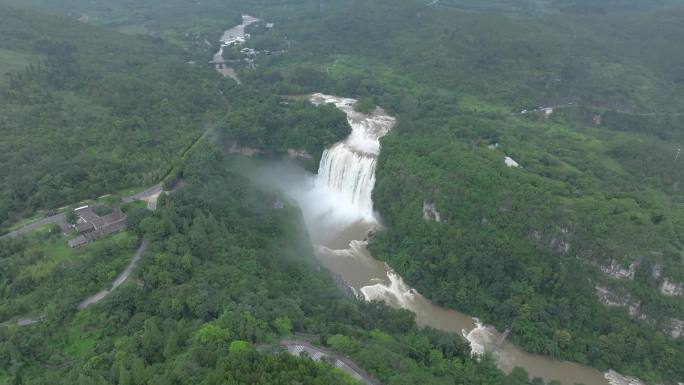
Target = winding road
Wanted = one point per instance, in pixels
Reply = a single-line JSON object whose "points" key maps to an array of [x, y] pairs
{"points": [[121, 278], [93, 299], [149, 195], [298, 348], [58, 218]]}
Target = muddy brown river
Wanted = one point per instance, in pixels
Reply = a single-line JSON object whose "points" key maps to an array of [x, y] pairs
{"points": [[337, 208]]}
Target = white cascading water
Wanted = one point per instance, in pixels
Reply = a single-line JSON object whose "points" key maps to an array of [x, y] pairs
{"points": [[481, 338], [615, 378], [350, 174], [347, 170], [339, 198], [345, 181], [396, 293]]}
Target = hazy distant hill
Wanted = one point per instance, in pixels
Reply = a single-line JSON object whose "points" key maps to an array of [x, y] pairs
{"points": [[536, 7], [87, 112]]}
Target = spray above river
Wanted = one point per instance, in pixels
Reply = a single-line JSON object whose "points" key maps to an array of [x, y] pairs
{"points": [[347, 170], [338, 211]]}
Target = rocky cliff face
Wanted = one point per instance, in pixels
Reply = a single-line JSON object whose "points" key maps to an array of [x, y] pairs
{"points": [[676, 328], [671, 289], [615, 270], [609, 298], [430, 213], [298, 153], [552, 240]]}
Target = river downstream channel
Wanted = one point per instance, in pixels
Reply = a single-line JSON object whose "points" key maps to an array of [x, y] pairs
{"points": [[338, 211]]}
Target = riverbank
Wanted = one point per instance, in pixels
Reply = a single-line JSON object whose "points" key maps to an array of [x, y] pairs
{"points": [[338, 211], [233, 36]]}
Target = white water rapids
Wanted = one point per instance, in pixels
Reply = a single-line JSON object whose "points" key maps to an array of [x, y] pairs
{"points": [[338, 211], [347, 169]]}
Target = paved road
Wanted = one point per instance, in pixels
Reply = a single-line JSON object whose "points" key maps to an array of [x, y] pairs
{"points": [[95, 298], [121, 278], [144, 195], [23, 321], [150, 196], [59, 218], [297, 347]]}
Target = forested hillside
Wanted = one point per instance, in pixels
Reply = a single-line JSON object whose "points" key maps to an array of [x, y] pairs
{"points": [[227, 276], [540, 7], [574, 250], [87, 112], [92, 111], [593, 217]]}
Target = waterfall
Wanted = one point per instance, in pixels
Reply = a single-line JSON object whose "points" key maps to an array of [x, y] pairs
{"points": [[347, 169], [350, 174], [338, 212]]}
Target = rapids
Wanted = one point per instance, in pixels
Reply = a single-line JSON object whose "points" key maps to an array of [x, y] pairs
{"points": [[338, 212]]}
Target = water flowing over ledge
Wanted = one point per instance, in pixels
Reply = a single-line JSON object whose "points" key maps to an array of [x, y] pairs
{"points": [[338, 211]]}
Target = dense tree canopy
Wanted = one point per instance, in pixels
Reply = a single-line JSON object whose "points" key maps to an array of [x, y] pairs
{"points": [[226, 276], [86, 112]]}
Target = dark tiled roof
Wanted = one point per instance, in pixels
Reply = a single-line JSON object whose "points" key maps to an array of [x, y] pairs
{"points": [[114, 226], [84, 227], [78, 241], [93, 226], [104, 221], [87, 214]]}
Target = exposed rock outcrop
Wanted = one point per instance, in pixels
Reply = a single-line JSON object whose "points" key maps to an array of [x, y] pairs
{"points": [[609, 298], [430, 213], [295, 153], [555, 242], [615, 270], [676, 328], [345, 287], [560, 245], [615, 378], [657, 271], [510, 162], [671, 289]]}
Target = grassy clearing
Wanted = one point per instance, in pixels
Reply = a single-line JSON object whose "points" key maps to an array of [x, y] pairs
{"points": [[59, 275], [13, 62], [56, 250]]}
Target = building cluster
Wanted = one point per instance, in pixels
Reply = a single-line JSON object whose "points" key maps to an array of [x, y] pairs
{"points": [[91, 226]]}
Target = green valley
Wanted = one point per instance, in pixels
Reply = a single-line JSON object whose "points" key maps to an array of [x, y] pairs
{"points": [[525, 168]]}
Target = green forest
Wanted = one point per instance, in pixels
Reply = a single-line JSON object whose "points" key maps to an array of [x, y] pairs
{"points": [[227, 275], [599, 183], [123, 99], [92, 113]]}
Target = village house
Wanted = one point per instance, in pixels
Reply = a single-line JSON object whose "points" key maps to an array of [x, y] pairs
{"points": [[91, 226]]}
